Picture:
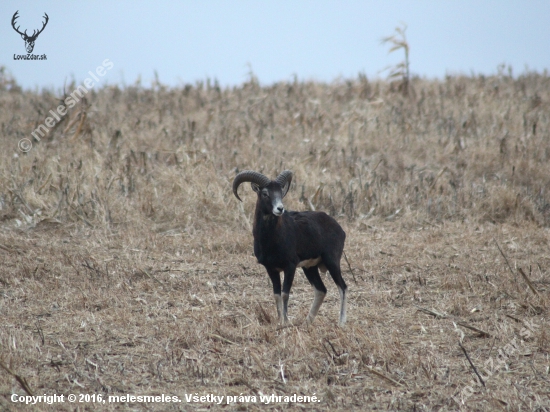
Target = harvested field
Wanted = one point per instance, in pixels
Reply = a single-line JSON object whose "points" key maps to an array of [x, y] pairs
{"points": [[127, 267]]}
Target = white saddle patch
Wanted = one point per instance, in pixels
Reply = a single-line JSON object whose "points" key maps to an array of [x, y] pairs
{"points": [[311, 262]]}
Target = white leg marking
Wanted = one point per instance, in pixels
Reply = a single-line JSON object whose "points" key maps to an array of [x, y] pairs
{"points": [[343, 304], [284, 299], [279, 303], [317, 301]]}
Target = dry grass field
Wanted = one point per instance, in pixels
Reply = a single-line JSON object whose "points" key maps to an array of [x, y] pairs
{"points": [[127, 267]]}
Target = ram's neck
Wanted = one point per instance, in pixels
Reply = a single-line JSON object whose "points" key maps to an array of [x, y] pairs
{"points": [[264, 223], [266, 234]]}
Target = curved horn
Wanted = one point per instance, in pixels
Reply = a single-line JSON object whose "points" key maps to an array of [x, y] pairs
{"points": [[284, 179], [249, 176]]}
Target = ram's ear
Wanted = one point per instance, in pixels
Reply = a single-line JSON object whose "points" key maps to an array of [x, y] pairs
{"points": [[255, 187]]}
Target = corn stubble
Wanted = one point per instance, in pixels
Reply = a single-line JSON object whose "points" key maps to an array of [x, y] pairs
{"points": [[127, 265]]}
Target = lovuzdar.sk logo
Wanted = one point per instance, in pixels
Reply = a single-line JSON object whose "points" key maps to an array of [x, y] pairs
{"points": [[29, 40]]}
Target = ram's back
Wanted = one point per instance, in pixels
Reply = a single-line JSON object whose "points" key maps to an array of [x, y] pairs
{"points": [[317, 234]]}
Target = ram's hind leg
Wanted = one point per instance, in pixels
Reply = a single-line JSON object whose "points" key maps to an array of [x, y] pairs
{"points": [[312, 274], [333, 267]]}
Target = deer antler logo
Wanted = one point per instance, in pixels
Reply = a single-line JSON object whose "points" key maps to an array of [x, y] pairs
{"points": [[29, 40]]}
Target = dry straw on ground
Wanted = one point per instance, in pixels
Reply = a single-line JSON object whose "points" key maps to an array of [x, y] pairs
{"points": [[127, 266]]}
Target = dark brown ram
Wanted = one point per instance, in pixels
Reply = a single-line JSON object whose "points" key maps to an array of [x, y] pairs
{"points": [[284, 241]]}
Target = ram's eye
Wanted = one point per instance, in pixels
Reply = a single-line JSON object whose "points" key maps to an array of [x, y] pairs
{"points": [[265, 195]]}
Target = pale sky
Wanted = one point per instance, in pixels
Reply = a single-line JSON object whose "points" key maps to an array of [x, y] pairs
{"points": [[324, 40]]}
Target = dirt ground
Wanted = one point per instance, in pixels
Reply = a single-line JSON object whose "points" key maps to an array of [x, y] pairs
{"points": [[128, 313]]}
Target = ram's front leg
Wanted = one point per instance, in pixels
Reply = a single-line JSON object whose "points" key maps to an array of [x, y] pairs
{"points": [[275, 277], [287, 284]]}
